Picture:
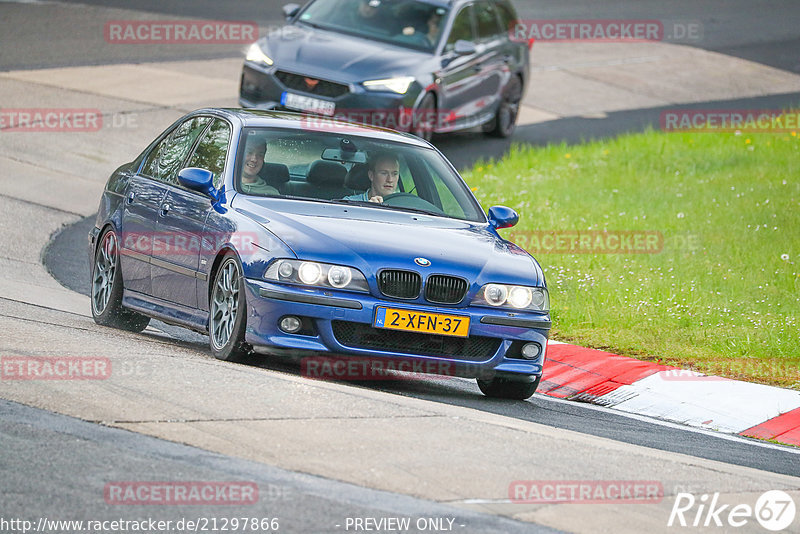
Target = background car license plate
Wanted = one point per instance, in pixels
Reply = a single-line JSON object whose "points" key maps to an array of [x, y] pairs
{"points": [[307, 103], [417, 321]]}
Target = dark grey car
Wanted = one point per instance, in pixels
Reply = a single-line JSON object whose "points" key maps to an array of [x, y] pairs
{"points": [[423, 66]]}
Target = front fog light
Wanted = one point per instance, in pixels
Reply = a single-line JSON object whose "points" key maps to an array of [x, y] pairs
{"points": [[339, 276], [495, 294], [531, 351], [290, 324], [309, 273]]}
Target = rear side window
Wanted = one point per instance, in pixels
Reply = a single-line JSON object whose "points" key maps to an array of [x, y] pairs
{"points": [[508, 18], [487, 23], [166, 159], [212, 150], [462, 28]]}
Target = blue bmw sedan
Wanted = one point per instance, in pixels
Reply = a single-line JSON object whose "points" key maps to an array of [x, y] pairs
{"points": [[276, 232]]}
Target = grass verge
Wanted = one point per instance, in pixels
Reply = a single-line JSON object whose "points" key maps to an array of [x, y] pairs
{"points": [[721, 295]]}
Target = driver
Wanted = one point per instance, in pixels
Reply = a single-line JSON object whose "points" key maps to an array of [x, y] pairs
{"points": [[384, 173]]}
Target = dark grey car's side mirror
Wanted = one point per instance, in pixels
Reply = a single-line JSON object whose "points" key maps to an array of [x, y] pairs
{"points": [[290, 10], [464, 48]]}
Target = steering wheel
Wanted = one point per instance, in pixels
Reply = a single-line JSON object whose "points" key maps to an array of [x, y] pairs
{"points": [[407, 200]]}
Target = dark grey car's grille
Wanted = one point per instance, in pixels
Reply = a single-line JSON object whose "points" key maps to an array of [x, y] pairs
{"points": [[441, 289], [399, 284], [364, 336], [321, 88]]}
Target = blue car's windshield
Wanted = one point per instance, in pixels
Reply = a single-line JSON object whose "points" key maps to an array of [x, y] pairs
{"points": [[409, 23], [337, 166]]}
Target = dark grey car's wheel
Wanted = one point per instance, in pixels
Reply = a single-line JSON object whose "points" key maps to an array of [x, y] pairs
{"points": [[424, 118], [505, 120], [509, 388], [107, 285], [227, 312]]}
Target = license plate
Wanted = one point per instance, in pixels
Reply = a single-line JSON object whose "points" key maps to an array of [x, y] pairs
{"points": [[424, 322], [307, 103]]}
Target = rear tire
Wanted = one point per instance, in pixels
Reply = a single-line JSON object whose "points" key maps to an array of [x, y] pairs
{"points": [[505, 120], [509, 388], [227, 312], [107, 285]]}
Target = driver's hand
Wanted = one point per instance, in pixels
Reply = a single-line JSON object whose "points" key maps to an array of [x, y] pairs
{"points": [[376, 198]]}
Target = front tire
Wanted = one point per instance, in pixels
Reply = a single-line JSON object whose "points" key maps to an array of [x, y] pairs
{"points": [[107, 309], [505, 120], [227, 312], [509, 388]]}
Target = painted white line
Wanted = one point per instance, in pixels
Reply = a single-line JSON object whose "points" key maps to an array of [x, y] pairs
{"points": [[703, 401], [676, 426]]}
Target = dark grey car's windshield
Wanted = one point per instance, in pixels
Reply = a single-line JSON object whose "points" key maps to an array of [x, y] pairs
{"points": [[408, 23], [336, 166]]}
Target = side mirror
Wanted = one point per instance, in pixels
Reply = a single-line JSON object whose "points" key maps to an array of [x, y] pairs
{"points": [[502, 217], [201, 180], [290, 10], [464, 48]]}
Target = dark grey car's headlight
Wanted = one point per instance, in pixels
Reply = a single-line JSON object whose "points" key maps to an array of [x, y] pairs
{"points": [[398, 85], [315, 274], [256, 54], [515, 297]]}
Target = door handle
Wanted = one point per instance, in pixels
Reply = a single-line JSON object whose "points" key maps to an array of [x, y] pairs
{"points": [[131, 197], [164, 210]]}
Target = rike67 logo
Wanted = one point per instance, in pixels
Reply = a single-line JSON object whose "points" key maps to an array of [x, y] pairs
{"points": [[774, 510]]}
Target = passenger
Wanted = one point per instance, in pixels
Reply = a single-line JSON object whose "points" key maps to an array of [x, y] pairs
{"points": [[434, 22], [384, 174], [252, 183]]}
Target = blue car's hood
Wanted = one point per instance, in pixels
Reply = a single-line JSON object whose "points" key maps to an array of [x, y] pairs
{"points": [[351, 235], [339, 56]]}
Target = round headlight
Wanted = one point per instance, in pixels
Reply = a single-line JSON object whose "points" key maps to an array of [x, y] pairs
{"points": [[339, 276], [495, 294], [285, 269], [538, 298], [520, 297], [309, 273]]}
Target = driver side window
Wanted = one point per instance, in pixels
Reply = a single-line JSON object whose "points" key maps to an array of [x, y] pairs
{"points": [[165, 160]]}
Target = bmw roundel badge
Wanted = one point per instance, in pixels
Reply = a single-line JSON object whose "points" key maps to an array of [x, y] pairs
{"points": [[422, 262]]}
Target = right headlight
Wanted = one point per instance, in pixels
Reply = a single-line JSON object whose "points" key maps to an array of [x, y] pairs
{"points": [[315, 274], [515, 297], [257, 55]]}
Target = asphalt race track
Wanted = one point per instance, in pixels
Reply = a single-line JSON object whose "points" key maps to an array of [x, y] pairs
{"points": [[322, 454]]}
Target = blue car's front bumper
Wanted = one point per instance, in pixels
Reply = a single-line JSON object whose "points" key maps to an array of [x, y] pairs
{"points": [[341, 324]]}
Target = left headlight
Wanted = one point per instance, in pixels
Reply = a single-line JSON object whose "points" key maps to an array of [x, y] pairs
{"points": [[257, 55], [312, 273], [516, 297], [397, 85]]}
